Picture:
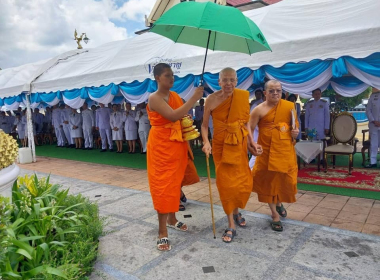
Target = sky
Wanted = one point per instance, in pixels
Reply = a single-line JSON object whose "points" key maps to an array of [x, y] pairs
{"points": [[33, 30]]}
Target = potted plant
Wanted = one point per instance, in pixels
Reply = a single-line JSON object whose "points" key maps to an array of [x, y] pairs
{"points": [[8, 169]]}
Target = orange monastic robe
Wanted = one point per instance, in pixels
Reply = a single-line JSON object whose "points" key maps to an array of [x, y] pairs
{"points": [[229, 149], [191, 175], [167, 158], [275, 170]]}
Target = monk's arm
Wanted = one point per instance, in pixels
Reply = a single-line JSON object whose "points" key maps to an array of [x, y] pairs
{"points": [[206, 118], [253, 147], [158, 104]]}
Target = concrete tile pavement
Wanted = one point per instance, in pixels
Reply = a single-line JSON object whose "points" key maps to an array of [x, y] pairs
{"points": [[302, 251], [351, 213]]}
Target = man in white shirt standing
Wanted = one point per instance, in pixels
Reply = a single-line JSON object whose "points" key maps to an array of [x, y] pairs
{"points": [[144, 125], [373, 115], [57, 125], [88, 126], [103, 125], [65, 120]]}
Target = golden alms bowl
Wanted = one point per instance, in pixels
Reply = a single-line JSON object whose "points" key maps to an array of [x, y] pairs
{"points": [[191, 135], [186, 122], [188, 129]]}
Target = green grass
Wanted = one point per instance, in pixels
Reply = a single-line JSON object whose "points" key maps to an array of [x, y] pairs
{"points": [[138, 161]]}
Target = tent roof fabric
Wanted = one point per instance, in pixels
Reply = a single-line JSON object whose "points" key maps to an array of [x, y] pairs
{"points": [[296, 30]]}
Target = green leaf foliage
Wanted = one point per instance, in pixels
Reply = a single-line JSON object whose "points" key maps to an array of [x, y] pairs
{"points": [[46, 233]]}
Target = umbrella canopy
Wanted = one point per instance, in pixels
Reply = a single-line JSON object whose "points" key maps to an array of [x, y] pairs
{"points": [[211, 26]]}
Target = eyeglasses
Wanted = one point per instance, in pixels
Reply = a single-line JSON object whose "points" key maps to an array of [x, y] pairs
{"points": [[225, 81]]}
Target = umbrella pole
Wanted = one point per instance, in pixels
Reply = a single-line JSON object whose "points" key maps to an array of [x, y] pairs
{"points": [[204, 62], [209, 188]]}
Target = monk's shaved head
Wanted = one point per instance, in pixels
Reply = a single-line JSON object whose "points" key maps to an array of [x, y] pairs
{"points": [[271, 82], [227, 70]]}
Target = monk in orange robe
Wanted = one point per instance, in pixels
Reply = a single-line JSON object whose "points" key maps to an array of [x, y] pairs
{"points": [[275, 170], [229, 108], [167, 152]]}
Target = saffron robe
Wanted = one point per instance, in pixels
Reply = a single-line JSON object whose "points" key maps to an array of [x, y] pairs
{"points": [[229, 150], [191, 175], [167, 158], [275, 171]]}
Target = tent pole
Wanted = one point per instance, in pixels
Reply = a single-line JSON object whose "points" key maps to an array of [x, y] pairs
{"points": [[30, 127]]}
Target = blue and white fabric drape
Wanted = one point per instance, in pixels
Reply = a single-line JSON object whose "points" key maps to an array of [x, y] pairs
{"points": [[348, 76]]}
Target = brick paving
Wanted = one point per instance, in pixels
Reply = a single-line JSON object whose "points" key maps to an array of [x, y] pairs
{"points": [[343, 212]]}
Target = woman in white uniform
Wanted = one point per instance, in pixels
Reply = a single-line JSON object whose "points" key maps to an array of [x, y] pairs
{"points": [[130, 128], [75, 120], [116, 122]]}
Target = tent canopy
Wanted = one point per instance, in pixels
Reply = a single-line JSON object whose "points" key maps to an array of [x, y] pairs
{"points": [[315, 43]]}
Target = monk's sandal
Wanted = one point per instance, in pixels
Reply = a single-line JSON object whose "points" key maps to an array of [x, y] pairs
{"points": [[177, 226], [239, 220], [162, 242], [226, 234]]}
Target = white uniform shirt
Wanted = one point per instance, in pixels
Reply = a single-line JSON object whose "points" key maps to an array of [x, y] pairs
{"points": [[144, 124], [56, 117], [373, 110], [116, 120], [75, 119], [317, 116], [88, 119], [130, 122], [103, 118], [65, 114]]}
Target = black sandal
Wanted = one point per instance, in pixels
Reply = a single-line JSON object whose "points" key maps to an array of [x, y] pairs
{"points": [[225, 234], [183, 198], [280, 210], [182, 208], [239, 219], [276, 226]]}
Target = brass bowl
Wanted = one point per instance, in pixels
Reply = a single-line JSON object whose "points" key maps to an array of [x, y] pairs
{"points": [[191, 135], [186, 122], [188, 129]]}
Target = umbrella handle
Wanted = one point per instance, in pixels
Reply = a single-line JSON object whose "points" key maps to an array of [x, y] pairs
{"points": [[204, 62]]}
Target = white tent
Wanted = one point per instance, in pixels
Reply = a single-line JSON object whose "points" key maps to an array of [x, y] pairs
{"points": [[297, 31]]}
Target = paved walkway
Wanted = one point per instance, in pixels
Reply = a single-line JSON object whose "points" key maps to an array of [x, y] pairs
{"points": [[355, 214], [302, 251]]}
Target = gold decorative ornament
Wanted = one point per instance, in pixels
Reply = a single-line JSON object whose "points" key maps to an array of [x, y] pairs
{"points": [[8, 150], [78, 39], [189, 132]]}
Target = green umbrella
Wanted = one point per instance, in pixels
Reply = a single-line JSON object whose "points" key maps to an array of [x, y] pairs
{"points": [[212, 26]]}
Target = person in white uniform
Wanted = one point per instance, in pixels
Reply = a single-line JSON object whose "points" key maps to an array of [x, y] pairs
{"points": [[373, 115], [130, 127], [11, 120], [255, 134], [20, 128], [57, 125], [116, 123], [103, 125], [88, 125], [144, 126], [65, 121], [75, 120], [4, 122], [317, 116]]}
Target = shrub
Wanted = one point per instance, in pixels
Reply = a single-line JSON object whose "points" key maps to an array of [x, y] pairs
{"points": [[49, 234]]}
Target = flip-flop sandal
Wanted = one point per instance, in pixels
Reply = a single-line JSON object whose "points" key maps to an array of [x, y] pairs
{"points": [[276, 226], [177, 226], [161, 242], [239, 219], [183, 198], [280, 210], [225, 234], [182, 208]]}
